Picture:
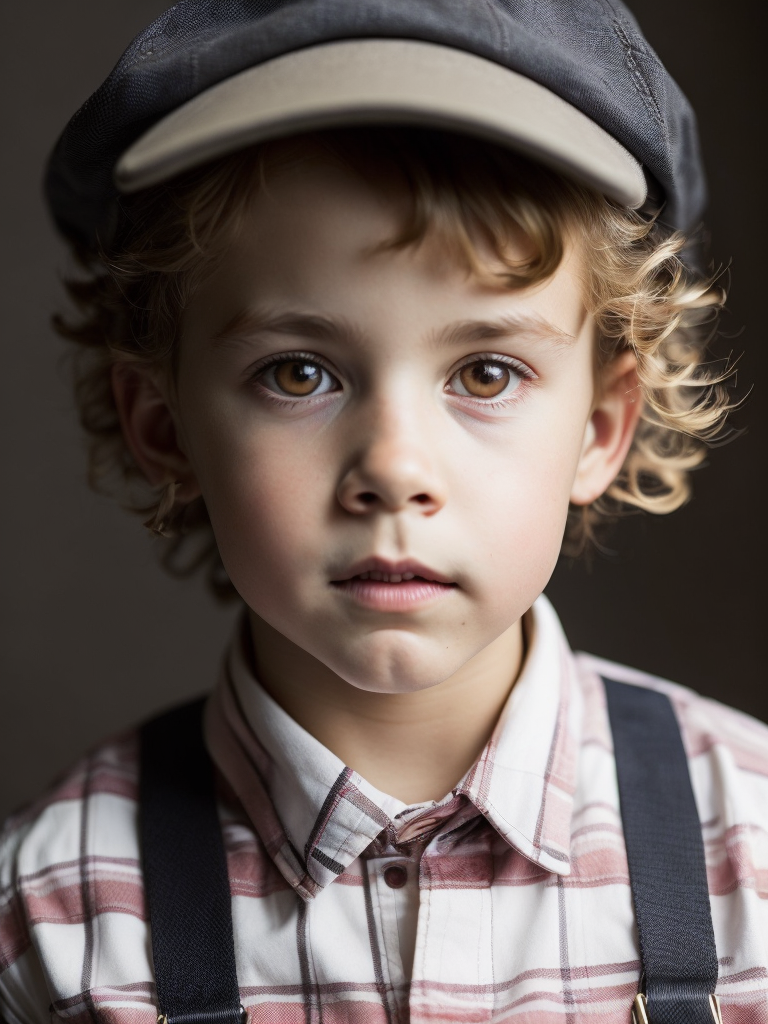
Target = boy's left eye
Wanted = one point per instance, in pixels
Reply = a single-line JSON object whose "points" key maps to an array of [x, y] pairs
{"points": [[486, 379]]}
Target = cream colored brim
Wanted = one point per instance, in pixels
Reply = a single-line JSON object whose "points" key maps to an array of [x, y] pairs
{"points": [[383, 81]]}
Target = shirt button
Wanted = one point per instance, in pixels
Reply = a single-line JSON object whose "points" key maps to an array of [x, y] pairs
{"points": [[395, 876]]}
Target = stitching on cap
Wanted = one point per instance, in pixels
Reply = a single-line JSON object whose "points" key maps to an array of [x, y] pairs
{"points": [[641, 83], [501, 28]]}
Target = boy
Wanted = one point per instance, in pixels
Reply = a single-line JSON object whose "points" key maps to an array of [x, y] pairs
{"points": [[375, 307]]}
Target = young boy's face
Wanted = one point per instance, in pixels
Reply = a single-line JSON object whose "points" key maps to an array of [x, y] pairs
{"points": [[347, 411]]}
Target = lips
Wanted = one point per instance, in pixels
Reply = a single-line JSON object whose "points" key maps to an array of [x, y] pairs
{"points": [[381, 570], [377, 585]]}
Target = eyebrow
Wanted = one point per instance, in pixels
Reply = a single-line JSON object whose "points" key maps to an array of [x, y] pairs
{"points": [[509, 325], [248, 324]]}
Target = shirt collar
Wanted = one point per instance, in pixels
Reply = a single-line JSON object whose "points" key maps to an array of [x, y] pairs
{"points": [[315, 815], [525, 779]]}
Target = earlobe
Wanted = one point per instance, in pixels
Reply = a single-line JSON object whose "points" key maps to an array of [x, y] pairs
{"points": [[609, 431], [150, 429]]}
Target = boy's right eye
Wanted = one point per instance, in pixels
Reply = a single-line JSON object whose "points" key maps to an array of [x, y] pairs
{"points": [[296, 377]]}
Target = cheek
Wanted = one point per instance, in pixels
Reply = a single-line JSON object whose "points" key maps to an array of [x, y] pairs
{"points": [[265, 498], [519, 509]]}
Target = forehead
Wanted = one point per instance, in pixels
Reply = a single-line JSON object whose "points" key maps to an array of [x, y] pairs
{"points": [[321, 235]]}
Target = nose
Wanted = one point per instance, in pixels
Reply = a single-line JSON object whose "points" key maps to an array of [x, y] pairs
{"points": [[392, 469]]}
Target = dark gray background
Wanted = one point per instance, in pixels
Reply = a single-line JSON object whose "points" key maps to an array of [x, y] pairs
{"points": [[94, 635]]}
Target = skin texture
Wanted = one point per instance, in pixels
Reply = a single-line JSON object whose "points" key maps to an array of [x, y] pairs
{"points": [[387, 457]]}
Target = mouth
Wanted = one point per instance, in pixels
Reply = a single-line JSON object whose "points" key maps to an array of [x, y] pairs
{"points": [[393, 586]]}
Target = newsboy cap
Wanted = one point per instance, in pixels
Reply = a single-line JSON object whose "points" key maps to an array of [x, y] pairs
{"points": [[571, 83]]}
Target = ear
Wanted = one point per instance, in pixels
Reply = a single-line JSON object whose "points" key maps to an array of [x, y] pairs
{"points": [[610, 429], [150, 428]]}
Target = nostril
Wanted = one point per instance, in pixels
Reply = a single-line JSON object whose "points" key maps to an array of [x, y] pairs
{"points": [[422, 499], [367, 497]]}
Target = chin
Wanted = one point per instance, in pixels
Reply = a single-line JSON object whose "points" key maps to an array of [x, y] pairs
{"points": [[393, 664]]}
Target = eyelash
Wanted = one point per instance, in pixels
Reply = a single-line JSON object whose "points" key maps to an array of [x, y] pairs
{"points": [[288, 357], [526, 374]]}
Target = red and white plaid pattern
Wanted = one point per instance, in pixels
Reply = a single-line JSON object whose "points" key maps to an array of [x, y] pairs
{"points": [[510, 898]]}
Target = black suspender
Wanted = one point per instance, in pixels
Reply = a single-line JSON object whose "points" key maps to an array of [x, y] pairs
{"points": [[185, 874], [189, 904], [666, 859]]}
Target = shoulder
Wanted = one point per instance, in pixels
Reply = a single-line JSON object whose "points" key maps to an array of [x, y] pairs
{"points": [[65, 859], [82, 810], [727, 754], [706, 725]]}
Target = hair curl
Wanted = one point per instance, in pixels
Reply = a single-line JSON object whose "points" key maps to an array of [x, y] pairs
{"points": [[637, 287]]}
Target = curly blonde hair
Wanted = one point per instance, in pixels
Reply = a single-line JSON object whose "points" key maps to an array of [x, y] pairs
{"points": [[475, 195]]}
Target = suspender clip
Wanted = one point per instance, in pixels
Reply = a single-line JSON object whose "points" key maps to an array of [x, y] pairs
{"points": [[640, 1010], [162, 1018]]}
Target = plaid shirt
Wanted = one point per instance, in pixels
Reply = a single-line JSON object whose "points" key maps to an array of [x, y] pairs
{"points": [[508, 900]]}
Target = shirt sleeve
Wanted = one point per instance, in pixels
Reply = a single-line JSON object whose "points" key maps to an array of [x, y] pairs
{"points": [[24, 994]]}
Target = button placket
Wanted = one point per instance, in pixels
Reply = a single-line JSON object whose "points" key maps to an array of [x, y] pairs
{"points": [[398, 906]]}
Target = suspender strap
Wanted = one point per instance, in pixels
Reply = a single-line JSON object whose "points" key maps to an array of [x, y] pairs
{"points": [[666, 858], [185, 874]]}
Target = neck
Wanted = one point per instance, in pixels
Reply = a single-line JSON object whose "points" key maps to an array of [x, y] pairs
{"points": [[414, 746]]}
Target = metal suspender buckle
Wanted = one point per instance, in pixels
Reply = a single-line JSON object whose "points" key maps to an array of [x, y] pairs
{"points": [[203, 1016], [640, 1010]]}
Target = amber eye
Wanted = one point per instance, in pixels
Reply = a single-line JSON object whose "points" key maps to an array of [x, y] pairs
{"points": [[485, 379], [297, 377]]}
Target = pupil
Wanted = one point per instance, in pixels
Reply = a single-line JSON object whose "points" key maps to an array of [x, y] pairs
{"points": [[488, 373], [485, 380], [297, 378], [304, 372]]}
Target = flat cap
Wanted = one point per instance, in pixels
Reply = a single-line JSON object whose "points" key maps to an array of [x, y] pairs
{"points": [[572, 83]]}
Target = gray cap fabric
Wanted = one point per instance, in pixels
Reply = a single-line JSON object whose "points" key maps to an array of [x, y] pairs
{"points": [[382, 81], [570, 82]]}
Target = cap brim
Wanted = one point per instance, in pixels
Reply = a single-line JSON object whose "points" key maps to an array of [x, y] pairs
{"points": [[383, 81]]}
